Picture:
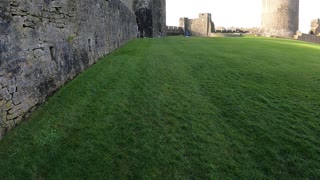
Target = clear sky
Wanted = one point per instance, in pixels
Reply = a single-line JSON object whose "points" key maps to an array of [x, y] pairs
{"points": [[227, 13]]}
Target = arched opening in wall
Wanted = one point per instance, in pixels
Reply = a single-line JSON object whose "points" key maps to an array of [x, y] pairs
{"points": [[311, 32], [145, 22]]}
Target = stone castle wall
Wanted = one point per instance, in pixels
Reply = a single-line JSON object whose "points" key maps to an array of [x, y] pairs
{"points": [[45, 43], [202, 26], [151, 17], [314, 33], [174, 31], [280, 18], [159, 18], [129, 4], [308, 38]]}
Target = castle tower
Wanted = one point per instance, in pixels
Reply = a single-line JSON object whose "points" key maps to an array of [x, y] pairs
{"points": [[151, 17], [159, 18], [280, 18]]}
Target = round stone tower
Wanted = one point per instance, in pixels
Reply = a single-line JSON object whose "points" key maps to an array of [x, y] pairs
{"points": [[280, 18]]}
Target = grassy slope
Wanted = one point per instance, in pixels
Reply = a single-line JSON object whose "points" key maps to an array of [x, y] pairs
{"points": [[179, 108]]}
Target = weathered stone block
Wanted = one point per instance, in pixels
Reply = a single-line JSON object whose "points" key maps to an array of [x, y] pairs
{"points": [[2, 79], [10, 124], [18, 120], [38, 52], [4, 93], [13, 116], [60, 25], [28, 24], [58, 16], [2, 102], [32, 18], [8, 105], [56, 4], [19, 13], [9, 97], [14, 3], [10, 82], [16, 99], [12, 88], [13, 110]]}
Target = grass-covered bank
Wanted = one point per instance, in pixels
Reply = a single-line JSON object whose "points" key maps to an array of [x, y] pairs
{"points": [[178, 108]]}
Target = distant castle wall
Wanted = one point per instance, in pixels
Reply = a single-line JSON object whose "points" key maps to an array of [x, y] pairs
{"points": [[308, 38], [202, 26], [280, 18], [175, 31]]}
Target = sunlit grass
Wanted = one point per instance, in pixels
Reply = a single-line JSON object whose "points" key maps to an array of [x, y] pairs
{"points": [[179, 108]]}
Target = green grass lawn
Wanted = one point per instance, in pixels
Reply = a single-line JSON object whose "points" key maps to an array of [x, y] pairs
{"points": [[179, 108]]}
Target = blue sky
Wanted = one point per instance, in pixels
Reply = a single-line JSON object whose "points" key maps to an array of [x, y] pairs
{"points": [[244, 13]]}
